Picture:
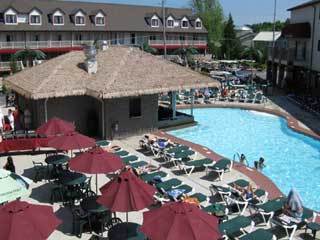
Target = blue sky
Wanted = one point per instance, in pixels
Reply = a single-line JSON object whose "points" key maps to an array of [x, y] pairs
{"points": [[243, 11]]}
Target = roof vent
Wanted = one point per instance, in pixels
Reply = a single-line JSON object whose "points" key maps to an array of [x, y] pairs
{"points": [[91, 63]]}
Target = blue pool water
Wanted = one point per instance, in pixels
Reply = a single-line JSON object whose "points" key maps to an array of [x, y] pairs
{"points": [[292, 159]]}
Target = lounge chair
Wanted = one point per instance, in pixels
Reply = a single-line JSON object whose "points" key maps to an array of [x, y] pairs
{"points": [[259, 234], [259, 98], [167, 185], [138, 164], [238, 202], [180, 156], [191, 165], [222, 166], [250, 98], [121, 153], [150, 176], [129, 159], [103, 143], [201, 197], [177, 149], [183, 189], [221, 190], [215, 208], [232, 227]]}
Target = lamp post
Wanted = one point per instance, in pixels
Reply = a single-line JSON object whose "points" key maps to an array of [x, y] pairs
{"points": [[273, 40], [164, 24]]}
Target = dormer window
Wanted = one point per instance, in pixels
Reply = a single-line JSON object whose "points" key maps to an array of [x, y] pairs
{"points": [[10, 17], [80, 19], [185, 23], [58, 18], [35, 17], [155, 21], [198, 24], [100, 19], [170, 22]]}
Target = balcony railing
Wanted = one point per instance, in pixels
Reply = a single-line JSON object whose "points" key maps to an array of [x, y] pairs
{"points": [[44, 44], [6, 66], [178, 42]]}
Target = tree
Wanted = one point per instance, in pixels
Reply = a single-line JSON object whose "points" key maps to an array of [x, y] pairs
{"points": [[186, 54], [266, 26], [145, 47], [211, 13], [27, 55], [252, 53], [231, 46]]}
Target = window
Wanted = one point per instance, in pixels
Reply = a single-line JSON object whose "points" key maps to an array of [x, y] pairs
{"points": [[182, 38], [170, 23], [185, 23], [11, 19], [58, 20], [153, 38], [198, 24], [99, 20], [135, 107], [35, 19], [154, 22], [36, 38], [80, 20], [59, 37], [78, 37], [9, 38]]}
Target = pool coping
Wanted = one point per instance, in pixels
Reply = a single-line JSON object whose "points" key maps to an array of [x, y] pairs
{"points": [[253, 174]]}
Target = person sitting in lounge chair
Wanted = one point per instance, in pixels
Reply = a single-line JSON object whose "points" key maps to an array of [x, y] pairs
{"points": [[246, 193], [145, 169], [293, 205]]}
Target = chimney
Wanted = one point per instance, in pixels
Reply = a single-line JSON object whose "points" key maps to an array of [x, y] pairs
{"points": [[91, 63]]}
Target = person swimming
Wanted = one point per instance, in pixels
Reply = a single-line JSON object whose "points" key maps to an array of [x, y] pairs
{"points": [[259, 165]]}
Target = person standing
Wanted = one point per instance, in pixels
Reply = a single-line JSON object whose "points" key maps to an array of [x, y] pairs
{"points": [[1, 122], [16, 116], [11, 119]]}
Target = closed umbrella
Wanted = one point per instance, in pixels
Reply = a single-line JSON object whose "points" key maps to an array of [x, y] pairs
{"points": [[55, 126], [71, 141], [180, 220], [294, 201], [12, 186], [22, 220], [126, 192], [96, 161]]}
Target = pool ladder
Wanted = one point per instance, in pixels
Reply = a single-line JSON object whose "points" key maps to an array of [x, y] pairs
{"points": [[238, 155]]}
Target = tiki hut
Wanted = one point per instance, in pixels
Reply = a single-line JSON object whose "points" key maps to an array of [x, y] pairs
{"points": [[120, 98]]}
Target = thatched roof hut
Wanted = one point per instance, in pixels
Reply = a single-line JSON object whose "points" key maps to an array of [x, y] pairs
{"points": [[122, 72]]}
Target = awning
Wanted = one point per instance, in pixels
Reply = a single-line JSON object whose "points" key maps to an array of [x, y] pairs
{"points": [[297, 30]]}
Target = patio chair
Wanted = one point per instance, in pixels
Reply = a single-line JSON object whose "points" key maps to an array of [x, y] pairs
{"points": [[201, 197], [167, 185], [138, 164], [150, 176], [260, 234], [80, 222], [113, 222], [193, 164], [129, 159], [41, 171], [222, 166], [235, 226], [121, 153], [103, 143]]}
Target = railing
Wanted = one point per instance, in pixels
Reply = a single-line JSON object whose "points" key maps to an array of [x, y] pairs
{"points": [[178, 42], [44, 44], [6, 66]]}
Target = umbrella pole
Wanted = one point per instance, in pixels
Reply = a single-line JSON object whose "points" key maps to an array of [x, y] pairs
{"points": [[97, 184], [127, 216]]}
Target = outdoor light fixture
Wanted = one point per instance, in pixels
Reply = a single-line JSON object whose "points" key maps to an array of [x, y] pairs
{"points": [[91, 61]]}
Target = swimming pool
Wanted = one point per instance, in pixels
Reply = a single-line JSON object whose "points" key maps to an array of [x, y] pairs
{"points": [[292, 159]]}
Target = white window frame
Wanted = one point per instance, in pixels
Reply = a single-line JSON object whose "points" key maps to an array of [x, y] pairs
{"points": [[35, 13], [170, 19], [198, 21], [79, 14], [155, 18], [11, 12], [100, 15], [185, 20], [58, 14]]}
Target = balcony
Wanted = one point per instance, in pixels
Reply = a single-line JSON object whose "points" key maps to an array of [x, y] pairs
{"points": [[178, 43], [44, 44]]}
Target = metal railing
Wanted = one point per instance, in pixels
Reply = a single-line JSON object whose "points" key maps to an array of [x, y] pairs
{"points": [[178, 42], [6, 66], [44, 44]]}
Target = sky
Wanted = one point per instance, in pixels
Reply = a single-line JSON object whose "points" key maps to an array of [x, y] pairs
{"points": [[243, 11]]}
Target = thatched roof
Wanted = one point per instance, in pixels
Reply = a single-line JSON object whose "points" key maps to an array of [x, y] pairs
{"points": [[122, 72]]}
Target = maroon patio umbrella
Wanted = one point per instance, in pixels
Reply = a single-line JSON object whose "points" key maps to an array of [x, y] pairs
{"points": [[179, 220], [71, 141], [22, 220], [126, 192], [96, 161], [55, 126]]}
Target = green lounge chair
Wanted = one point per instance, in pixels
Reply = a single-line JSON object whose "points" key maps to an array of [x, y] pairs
{"points": [[167, 185], [240, 182], [222, 166], [191, 165], [250, 98], [122, 153], [183, 155], [201, 197], [259, 98], [177, 149], [102, 143], [149, 177], [260, 234], [234, 226], [215, 208], [138, 164], [130, 159], [185, 188]]}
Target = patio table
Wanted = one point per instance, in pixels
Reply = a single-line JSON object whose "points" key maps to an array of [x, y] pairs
{"points": [[126, 231], [90, 205], [71, 178], [57, 159]]}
